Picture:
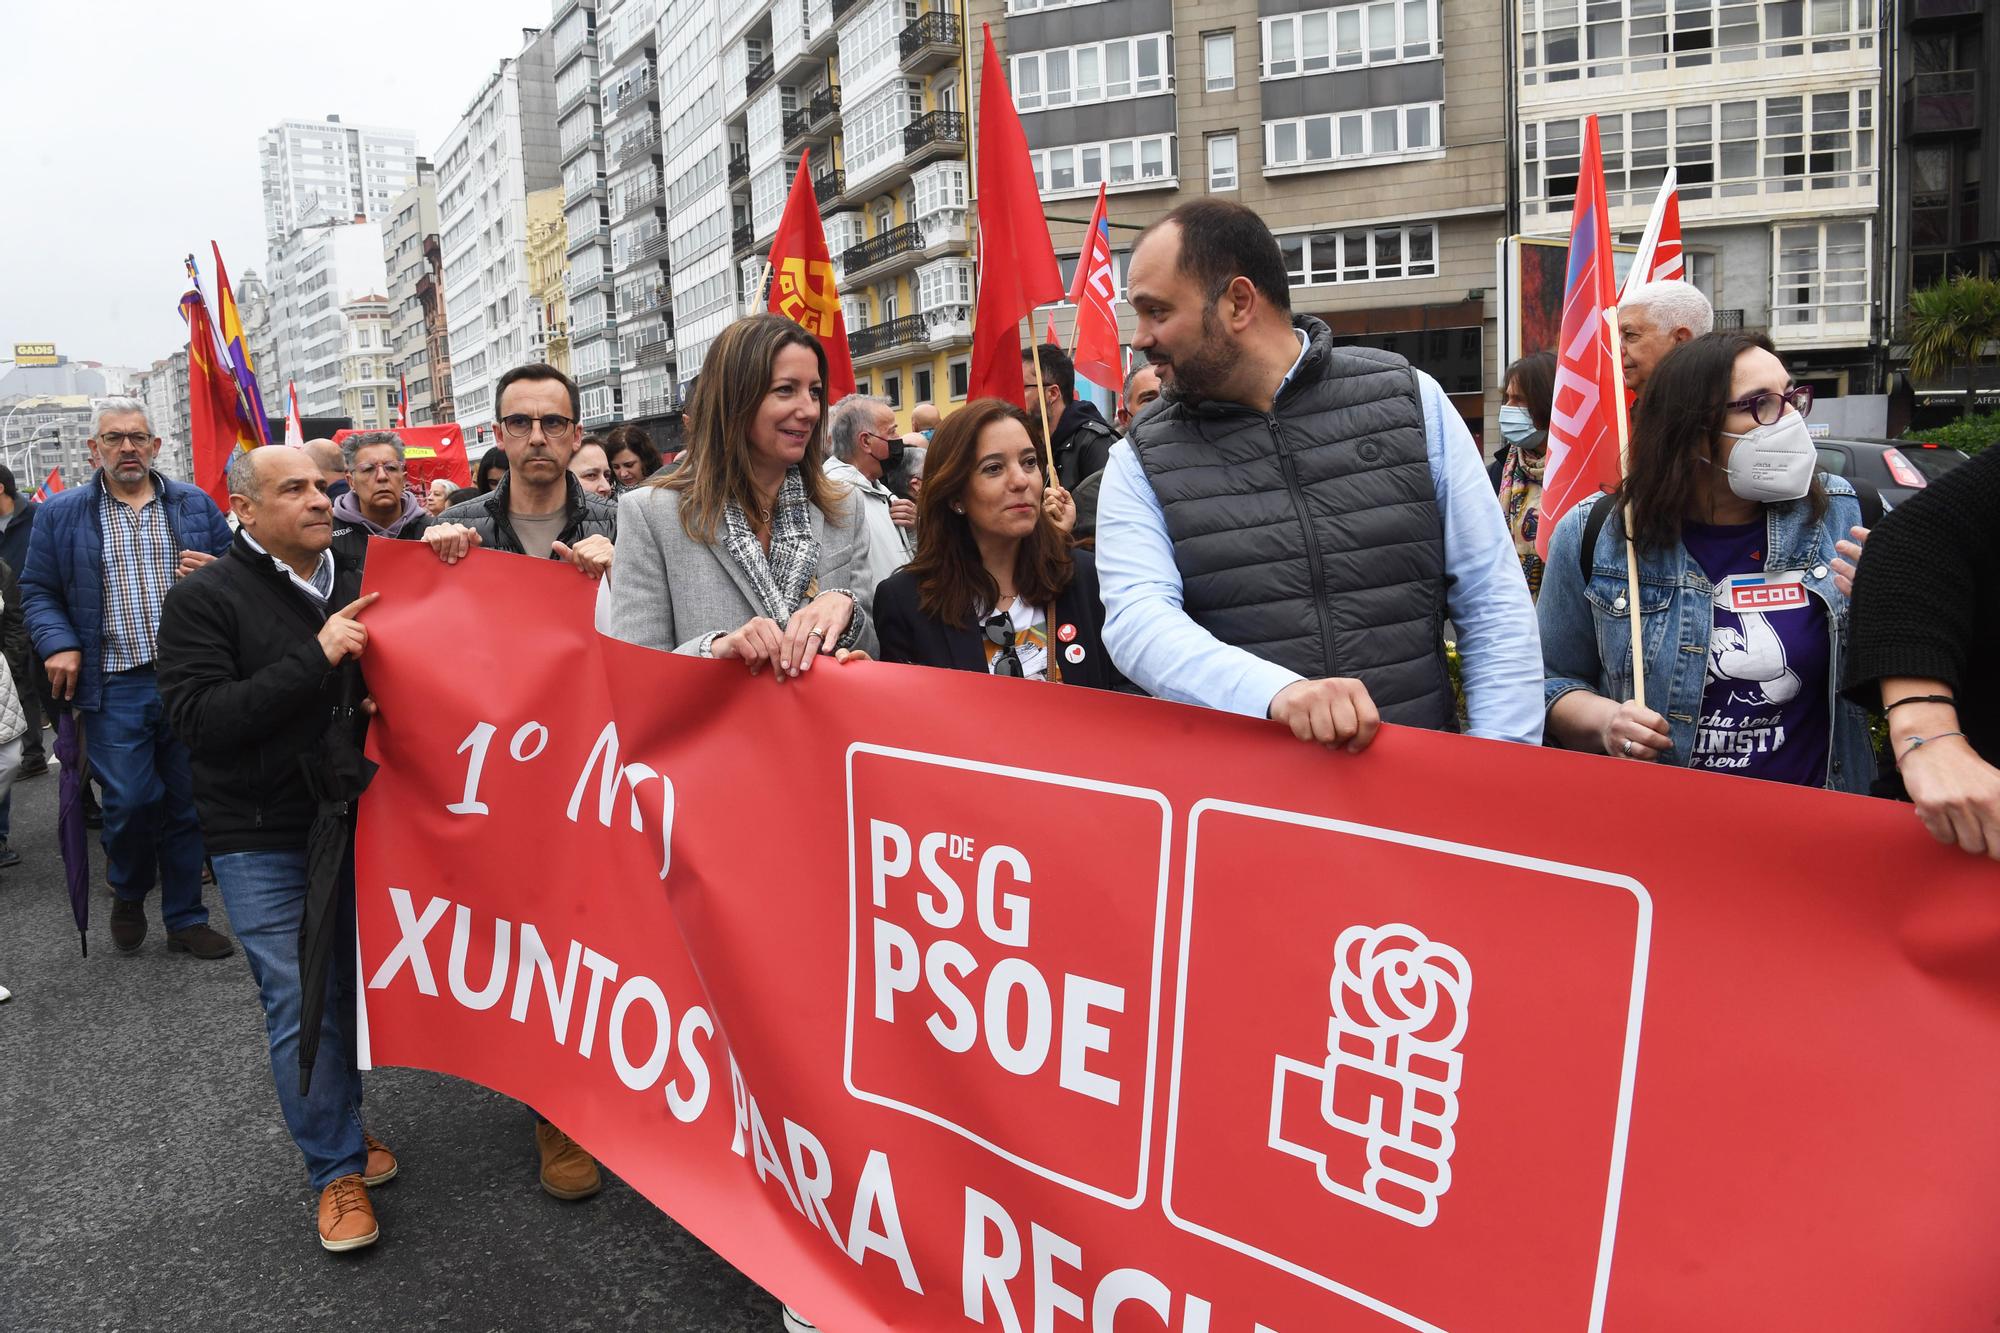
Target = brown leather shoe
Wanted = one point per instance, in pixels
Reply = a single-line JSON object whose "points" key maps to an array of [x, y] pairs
{"points": [[201, 941], [346, 1218], [128, 924], [381, 1168], [568, 1172]]}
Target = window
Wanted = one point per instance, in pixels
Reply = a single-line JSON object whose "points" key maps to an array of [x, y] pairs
{"points": [[939, 187], [959, 372], [874, 131], [1218, 61], [920, 380], [892, 387], [1700, 265], [1097, 72], [1221, 162], [1132, 163], [1569, 40], [1382, 33], [367, 398], [1801, 146], [1354, 137], [1363, 254], [947, 282], [1820, 275]]}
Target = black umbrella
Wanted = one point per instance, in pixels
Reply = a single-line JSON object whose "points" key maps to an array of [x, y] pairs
{"points": [[336, 774], [72, 835]]}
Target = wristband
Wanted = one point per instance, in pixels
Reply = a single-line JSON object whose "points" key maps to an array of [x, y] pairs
{"points": [[1920, 699], [1918, 742]]}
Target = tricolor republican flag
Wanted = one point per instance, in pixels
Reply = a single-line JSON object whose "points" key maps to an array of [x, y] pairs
{"points": [[1589, 399]]}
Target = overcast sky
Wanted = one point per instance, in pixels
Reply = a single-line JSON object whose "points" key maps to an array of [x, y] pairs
{"points": [[130, 139]]}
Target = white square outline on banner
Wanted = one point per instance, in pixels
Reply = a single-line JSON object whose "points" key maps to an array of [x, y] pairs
{"points": [[1643, 937], [1138, 1197]]}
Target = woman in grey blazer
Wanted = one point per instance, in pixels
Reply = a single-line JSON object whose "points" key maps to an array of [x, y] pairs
{"points": [[748, 550]]}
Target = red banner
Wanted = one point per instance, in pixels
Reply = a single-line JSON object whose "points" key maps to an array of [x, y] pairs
{"points": [[429, 452], [936, 1001]]}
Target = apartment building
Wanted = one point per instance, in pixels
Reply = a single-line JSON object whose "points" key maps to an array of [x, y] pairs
{"points": [[1770, 114], [631, 44], [316, 271], [408, 238], [548, 274], [593, 316], [368, 381], [502, 150], [1947, 133]]}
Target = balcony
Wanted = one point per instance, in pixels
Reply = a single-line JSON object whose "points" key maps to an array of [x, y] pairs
{"points": [[878, 339], [644, 195], [739, 165], [566, 100], [583, 143], [595, 375], [581, 280], [759, 75], [640, 145], [573, 191], [658, 405], [743, 237], [829, 185], [625, 44], [587, 236], [1728, 321], [932, 134], [904, 240], [637, 93], [1922, 11], [652, 351], [655, 246], [814, 120], [842, 8], [1942, 103], [932, 42]]}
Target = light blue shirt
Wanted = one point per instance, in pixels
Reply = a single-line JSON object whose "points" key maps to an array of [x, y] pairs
{"points": [[1160, 647]]}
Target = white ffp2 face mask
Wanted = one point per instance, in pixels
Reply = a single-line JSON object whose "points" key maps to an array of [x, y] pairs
{"points": [[1775, 463]]}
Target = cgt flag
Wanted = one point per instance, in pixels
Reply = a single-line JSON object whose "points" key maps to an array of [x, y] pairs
{"points": [[1583, 417], [802, 282], [1095, 289], [1017, 263]]}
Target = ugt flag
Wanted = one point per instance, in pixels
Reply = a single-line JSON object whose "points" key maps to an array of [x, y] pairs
{"points": [[1092, 293], [802, 285], [1583, 418]]}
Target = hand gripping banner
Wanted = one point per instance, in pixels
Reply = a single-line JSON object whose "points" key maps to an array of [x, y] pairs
{"points": [[942, 1002]]}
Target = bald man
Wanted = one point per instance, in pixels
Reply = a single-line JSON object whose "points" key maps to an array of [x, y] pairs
{"points": [[332, 465], [924, 419]]}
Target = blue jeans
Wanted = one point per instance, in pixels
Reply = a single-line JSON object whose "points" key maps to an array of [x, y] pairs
{"points": [[149, 818], [265, 893]]}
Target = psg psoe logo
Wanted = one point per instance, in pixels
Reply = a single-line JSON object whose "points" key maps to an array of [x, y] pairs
{"points": [[1375, 1118]]}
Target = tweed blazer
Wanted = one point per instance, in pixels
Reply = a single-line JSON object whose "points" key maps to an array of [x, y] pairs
{"points": [[671, 592]]}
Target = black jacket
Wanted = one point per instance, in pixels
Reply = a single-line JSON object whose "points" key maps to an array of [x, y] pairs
{"points": [[585, 516], [247, 689], [14, 541], [14, 643], [1083, 443], [908, 635]]}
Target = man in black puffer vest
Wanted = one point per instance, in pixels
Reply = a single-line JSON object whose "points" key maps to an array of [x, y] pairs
{"points": [[1286, 534]]}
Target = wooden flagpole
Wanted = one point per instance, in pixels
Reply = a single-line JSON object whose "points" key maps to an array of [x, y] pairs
{"points": [[1625, 467], [1042, 401]]}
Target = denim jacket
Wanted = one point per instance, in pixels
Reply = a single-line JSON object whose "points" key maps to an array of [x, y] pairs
{"points": [[1587, 628]]}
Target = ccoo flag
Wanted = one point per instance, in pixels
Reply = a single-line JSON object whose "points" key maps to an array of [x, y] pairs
{"points": [[1017, 264], [1092, 293], [803, 289], [1589, 398]]}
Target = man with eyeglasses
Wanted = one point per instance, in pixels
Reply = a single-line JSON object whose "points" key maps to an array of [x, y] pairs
{"points": [[538, 508], [863, 441], [377, 503], [99, 565], [1653, 319]]}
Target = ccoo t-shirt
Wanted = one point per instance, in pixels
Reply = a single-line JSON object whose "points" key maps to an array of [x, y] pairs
{"points": [[1764, 710]]}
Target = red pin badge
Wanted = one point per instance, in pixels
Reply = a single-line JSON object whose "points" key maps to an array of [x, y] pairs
{"points": [[1066, 633]]}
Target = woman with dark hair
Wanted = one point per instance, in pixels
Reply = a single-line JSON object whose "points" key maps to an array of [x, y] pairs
{"points": [[748, 550], [995, 586], [633, 457], [1742, 623], [492, 467], [1516, 472]]}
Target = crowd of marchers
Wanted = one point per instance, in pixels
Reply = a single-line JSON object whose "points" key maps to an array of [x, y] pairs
{"points": [[1276, 525]]}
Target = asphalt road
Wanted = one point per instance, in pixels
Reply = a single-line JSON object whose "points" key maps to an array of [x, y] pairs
{"points": [[147, 1182]]}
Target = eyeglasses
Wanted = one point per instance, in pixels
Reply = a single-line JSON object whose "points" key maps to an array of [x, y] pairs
{"points": [[1765, 408], [380, 469], [999, 631], [118, 440], [519, 426]]}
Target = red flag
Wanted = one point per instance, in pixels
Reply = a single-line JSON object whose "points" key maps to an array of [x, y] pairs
{"points": [[1017, 263], [1051, 339], [295, 433], [214, 411], [802, 284], [403, 402], [1096, 352], [1583, 419], [1659, 258], [50, 485]]}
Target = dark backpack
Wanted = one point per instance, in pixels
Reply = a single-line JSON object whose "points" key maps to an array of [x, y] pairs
{"points": [[1593, 525]]}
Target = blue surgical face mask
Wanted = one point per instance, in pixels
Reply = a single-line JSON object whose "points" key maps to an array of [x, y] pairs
{"points": [[1518, 428]]}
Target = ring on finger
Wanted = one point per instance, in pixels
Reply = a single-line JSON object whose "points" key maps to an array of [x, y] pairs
{"points": [[1628, 748]]}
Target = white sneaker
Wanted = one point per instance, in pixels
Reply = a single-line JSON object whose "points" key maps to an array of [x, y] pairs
{"points": [[5, 995], [796, 1322]]}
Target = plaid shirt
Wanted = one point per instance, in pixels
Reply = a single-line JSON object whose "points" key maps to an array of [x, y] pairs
{"points": [[140, 557]]}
